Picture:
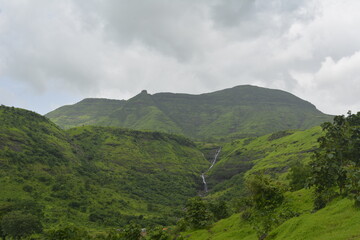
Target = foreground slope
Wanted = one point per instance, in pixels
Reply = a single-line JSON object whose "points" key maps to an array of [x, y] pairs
{"points": [[275, 155], [340, 220], [236, 112], [93, 176]]}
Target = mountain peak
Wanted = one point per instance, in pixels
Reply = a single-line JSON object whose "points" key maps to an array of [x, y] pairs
{"points": [[240, 111]]}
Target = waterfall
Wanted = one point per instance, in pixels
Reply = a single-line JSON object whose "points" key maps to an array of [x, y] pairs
{"points": [[204, 181], [212, 164]]}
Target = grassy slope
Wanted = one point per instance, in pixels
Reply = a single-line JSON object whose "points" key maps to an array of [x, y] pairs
{"points": [[235, 227], [338, 221], [86, 112], [231, 228], [112, 174], [271, 153], [141, 112], [236, 112], [166, 165]]}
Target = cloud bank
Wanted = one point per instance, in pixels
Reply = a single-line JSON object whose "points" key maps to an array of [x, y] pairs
{"points": [[56, 52]]}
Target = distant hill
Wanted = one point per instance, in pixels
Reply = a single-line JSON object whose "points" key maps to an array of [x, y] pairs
{"points": [[236, 112], [93, 176]]}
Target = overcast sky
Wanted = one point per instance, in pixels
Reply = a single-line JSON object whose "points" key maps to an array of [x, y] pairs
{"points": [[54, 53]]}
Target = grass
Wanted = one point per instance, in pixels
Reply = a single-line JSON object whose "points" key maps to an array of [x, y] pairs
{"points": [[338, 221], [231, 228]]}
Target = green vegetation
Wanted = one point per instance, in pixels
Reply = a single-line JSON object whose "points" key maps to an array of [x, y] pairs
{"points": [[339, 221], [237, 112], [274, 203], [336, 164], [93, 182], [200, 213], [96, 178], [267, 154], [17, 224]]}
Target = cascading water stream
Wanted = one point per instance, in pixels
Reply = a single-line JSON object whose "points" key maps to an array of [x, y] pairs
{"points": [[212, 164]]}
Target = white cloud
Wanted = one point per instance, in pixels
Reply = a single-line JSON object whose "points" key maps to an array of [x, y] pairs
{"points": [[117, 48], [335, 85]]}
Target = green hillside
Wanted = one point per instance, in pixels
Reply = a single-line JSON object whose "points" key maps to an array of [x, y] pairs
{"points": [[272, 154], [86, 112], [231, 113], [264, 180], [94, 177], [103, 178], [338, 221]]}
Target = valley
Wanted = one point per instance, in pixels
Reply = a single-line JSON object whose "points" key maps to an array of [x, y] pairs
{"points": [[243, 170]]}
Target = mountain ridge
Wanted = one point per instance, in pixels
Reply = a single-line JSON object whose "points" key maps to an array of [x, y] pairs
{"points": [[241, 111]]}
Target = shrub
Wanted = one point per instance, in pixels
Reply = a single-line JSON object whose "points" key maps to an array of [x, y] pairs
{"points": [[197, 215], [67, 233], [298, 175], [17, 224]]}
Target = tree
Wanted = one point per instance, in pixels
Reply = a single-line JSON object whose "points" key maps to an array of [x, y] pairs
{"points": [[197, 215], [132, 231], [158, 233], [219, 209], [17, 224], [67, 233], [336, 163], [265, 195], [298, 175]]}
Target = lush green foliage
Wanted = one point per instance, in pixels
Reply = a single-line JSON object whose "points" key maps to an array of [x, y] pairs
{"points": [[337, 221], [196, 214], [200, 213], [267, 154], [231, 113], [336, 164], [265, 196], [274, 212], [67, 233], [17, 224], [158, 233], [86, 182], [299, 175], [93, 177]]}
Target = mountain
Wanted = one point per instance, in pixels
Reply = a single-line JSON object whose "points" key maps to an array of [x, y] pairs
{"points": [[96, 177], [236, 112]]}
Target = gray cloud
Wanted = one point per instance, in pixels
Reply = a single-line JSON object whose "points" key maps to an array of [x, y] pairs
{"points": [[174, 28], [117, 48]]}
